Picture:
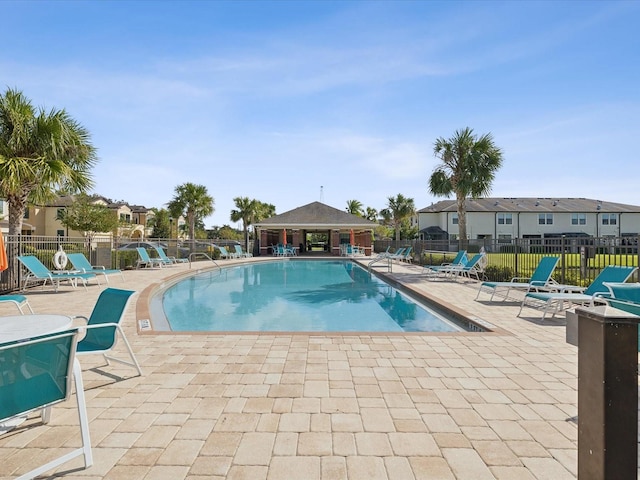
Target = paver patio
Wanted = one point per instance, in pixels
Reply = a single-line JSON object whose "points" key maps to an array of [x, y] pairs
{"points": [[322, 406]]}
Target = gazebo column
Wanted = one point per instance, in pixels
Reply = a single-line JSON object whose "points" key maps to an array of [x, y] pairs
{"points": [[335, 242], [264, 245]]}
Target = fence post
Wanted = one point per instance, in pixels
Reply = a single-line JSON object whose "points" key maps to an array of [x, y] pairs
{"points": [[564, 260], [607, 394]]}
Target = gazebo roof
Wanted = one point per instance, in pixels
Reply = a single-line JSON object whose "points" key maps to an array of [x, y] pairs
{"points": [[316, 215]]}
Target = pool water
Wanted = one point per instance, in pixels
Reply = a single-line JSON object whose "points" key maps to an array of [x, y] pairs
{"points": [[295, 295]]}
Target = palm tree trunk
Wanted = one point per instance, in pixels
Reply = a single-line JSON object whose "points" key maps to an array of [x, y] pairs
{"points": [[462, 222]]}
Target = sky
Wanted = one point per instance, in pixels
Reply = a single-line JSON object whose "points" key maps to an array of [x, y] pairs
{"points": [[291, 102]]}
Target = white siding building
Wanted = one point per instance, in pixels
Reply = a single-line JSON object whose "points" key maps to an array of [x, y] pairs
{"points": [[507, 218]]}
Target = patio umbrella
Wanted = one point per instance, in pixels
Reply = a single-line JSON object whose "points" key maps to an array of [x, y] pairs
{"points": [[4, 264], [352, 239]]}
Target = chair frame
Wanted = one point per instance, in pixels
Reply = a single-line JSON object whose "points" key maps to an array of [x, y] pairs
{"points": [[524, 283], [146, 260], [82, 263], [43, 274], [18, 300], [561, 299], [117, 331], [73, 374]]}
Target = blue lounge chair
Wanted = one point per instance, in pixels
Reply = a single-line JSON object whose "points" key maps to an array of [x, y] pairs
{"points": [[80, 262], [460, 259], [38, 272], [145, 261], [241, 253], [562, 299], [37, 374], [18, 300], [474, 267], [103, 327], [224, 253], [624, 296], [540, 278], [169, 260]]}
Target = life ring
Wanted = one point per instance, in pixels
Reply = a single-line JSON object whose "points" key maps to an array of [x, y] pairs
{"points": [[60, 259]]}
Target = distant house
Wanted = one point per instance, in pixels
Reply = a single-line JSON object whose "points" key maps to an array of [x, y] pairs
{"points": [[45, 219], [507, 218]]}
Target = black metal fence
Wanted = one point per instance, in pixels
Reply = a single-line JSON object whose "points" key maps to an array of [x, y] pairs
{"points": [[581, 258], [100, 251]]}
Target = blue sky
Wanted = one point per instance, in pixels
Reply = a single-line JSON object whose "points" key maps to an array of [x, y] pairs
{"points": [[293, 102]]}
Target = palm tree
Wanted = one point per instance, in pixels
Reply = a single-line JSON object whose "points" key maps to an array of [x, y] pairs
{"points": [[371, 214], [246, 210], [40, 152], [250, 212], [469, 165], [354, 207], [399, 210], [194, 203]]}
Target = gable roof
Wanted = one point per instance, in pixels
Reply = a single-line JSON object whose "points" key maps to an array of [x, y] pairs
{"points": [[535, 205], [316, 215]]}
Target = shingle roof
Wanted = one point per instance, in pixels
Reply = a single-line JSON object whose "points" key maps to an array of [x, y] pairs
{"points": [[316, 215], [555, 204]]}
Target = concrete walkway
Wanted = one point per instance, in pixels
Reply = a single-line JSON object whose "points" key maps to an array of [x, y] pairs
{"points": [[468, 406]]}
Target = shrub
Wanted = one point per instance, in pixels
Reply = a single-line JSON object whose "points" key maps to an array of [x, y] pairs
{"points": [[495, 273]]}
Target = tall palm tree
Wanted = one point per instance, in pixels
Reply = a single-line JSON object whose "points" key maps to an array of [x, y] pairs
{"points": [[354, 207], [40, 152], [194, 203], [399, 209], [469, 165], [246, 210], [250, 211]]}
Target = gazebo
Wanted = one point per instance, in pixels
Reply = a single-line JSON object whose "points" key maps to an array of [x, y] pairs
{"points": [[298, 227]]}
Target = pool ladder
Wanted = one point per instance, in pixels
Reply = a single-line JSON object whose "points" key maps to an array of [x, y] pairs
{"points": [[380, 259]]}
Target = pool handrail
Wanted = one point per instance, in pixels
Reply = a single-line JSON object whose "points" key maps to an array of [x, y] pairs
{"points": [[203, 254]]}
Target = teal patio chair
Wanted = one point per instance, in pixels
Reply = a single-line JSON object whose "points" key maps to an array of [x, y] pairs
{"points": [[540, 278], [169, 260], [103, 327], [38, 272], [80, 262], [562, 299], [241, 253], [145, 261], [18, 300], [459, 260], [35, 375], [224, 253]]}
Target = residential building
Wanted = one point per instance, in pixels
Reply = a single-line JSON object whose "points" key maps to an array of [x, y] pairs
{"points": [[508, 218]]}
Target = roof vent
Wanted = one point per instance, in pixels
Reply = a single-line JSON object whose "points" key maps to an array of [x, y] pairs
{"points": [[598, 207], [555, 202], [537, 203]]}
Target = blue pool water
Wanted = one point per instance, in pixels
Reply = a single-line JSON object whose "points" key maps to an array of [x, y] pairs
{"points": [[296, 295]]}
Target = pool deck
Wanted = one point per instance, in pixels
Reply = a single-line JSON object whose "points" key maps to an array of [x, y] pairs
{"points": [[469, 406]]}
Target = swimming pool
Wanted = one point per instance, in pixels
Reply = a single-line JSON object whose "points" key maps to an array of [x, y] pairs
{"points": [[292, 296]]}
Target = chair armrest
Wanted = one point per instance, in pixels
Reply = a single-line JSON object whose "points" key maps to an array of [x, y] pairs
{"points": [[520, 279]]}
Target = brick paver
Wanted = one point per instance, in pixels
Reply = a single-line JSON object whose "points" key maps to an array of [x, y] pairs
{"points": [[319, 406]]}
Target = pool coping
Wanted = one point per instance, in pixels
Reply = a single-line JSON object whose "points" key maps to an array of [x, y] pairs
{"points": [[144, 323]]}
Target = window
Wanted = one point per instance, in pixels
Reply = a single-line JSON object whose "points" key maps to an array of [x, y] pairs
{"points": [[60, 214], [505, 219], [454, 219], [60, 233], [578, 219], [504, 238], [545, 219], [125, 217], [609, 219], [26, 213]]}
